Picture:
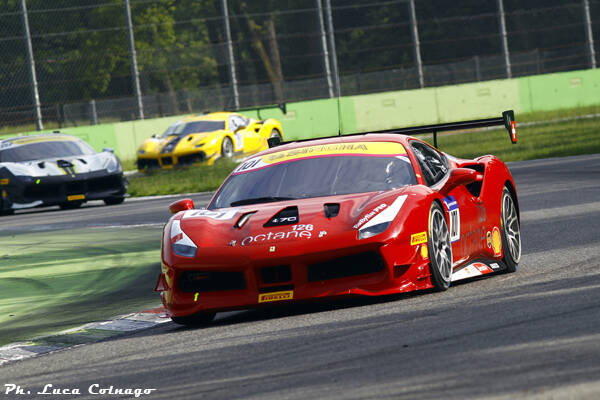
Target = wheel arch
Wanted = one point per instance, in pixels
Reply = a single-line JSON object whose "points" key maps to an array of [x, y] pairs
{"points": [[513, 192]]}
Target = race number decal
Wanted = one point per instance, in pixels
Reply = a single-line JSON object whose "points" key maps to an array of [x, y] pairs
{"points": [[454, 212]]}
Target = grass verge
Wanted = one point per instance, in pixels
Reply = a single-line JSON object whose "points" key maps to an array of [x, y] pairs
{"points": [[53, 282]]}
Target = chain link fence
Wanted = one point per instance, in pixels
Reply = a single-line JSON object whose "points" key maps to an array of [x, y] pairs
{"points": [[202, 55]]}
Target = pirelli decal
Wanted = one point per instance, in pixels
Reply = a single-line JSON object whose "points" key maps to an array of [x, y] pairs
{"points": [[418, 238], [75, 197], [276, 296]]}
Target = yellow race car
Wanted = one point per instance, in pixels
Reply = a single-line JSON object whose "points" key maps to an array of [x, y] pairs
{"points": [[205, 138]]}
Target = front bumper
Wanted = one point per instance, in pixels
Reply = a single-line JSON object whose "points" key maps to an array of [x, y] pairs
{"points": [[26, 192], [372, 271], [170, 160]]}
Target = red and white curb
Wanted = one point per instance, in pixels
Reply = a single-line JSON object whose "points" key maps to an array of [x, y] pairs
{"points": [[88, 333]]}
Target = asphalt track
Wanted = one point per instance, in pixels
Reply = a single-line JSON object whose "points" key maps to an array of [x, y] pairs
{"points": [[533, 334]]}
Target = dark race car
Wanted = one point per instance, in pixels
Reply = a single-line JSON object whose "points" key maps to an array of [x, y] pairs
{"points": [[369, 214], [56, 169]]}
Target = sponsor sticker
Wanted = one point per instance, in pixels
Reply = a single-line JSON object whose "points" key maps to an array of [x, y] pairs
{"points": [[75, 197], [335, 149], [472, 270], [489, 239], [424, 252], [454, 212], [418, 238], [276, 296], [4, 181], [370, 215], [496, 241], [219, 215], [494, 266]]}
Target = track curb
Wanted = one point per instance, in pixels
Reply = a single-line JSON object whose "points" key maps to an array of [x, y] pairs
{"points": [[89, 333]]}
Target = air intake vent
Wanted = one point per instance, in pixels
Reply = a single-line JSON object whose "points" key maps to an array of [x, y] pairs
{"points": [[331, 210], [357, 264], [287, 216]]}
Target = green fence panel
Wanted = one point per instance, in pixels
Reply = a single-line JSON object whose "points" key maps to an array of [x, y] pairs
{"points": [[562, 90]]}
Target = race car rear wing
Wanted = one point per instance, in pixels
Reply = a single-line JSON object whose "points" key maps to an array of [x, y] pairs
{"points": [[507, 119]]}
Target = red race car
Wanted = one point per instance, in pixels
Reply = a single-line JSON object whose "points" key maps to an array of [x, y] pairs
{"points": [[367, 214]]}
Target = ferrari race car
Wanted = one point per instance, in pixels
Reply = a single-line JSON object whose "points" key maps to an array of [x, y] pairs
{"points": [[205, 138], [56, 169], [367, 214]]}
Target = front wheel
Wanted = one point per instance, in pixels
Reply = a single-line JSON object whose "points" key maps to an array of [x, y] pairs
{"points": [[195, 319], [510, 232], [440, 248], [227, 147]]}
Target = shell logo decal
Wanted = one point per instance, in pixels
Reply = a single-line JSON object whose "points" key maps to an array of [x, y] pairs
{"points": [[496, 241]]}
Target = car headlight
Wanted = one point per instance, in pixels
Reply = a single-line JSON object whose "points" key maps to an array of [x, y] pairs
{"points": [[381, 221], [141, 151], [113, 165], [181, 244]]}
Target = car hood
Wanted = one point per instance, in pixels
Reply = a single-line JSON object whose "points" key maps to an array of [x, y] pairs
{"points": [[61, 165], [290, 226], [170, 143]]}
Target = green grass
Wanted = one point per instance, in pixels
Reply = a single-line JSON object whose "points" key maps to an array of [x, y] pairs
{"points": [[184, 180], [51, 282]]}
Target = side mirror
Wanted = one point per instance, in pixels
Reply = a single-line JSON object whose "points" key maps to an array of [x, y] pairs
{"points": [[460, 176], [154, 136], [108, 150], [181, 205]]}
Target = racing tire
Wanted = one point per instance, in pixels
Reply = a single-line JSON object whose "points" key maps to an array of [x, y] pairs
{"points": [[510, 232], [8, 211], [70, 205], [195, 319], [439, 248], [227, 147], [112, 201], [275, 133]]}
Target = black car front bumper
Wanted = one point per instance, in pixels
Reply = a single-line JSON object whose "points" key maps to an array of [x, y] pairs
{"points": [[25, 191]]}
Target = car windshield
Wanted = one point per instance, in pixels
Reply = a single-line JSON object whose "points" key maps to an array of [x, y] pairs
{"points": [[46, 149], [315, 177], [181, 129]]}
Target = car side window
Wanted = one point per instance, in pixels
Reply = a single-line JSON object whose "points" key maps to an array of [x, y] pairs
{"points": [[434, 165], [236, 122]]}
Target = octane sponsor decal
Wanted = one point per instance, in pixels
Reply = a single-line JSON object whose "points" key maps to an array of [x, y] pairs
{"points": [[472, 270], [276, 296], [335, 149], [418, 238], [454, 212], [369, 215], [220, 215], [300, 231], [496, 241]]}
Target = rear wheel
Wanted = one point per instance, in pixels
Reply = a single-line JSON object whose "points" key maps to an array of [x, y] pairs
{"points": [[440, 248], [227, 147], [510, 232], [275, 133], [195, 319]]}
